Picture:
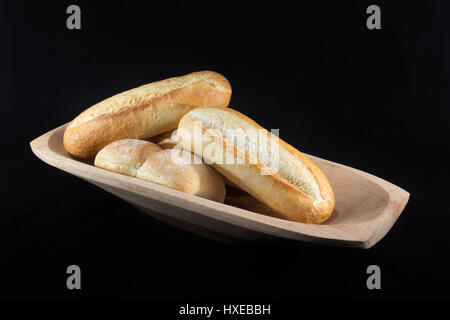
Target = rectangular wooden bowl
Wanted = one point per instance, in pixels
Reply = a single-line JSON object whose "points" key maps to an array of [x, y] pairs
{"points": [[366, 206]]}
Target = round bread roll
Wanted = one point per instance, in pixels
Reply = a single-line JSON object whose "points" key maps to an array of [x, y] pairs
{"points": [[125, 156], [183, 171]]}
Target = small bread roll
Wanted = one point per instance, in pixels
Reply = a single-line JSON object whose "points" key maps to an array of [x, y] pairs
{"points": [[184, 172], [125, 156], [144, 112]]}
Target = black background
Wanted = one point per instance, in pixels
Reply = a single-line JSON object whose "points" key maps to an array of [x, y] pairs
{"points": [[374, 100]]}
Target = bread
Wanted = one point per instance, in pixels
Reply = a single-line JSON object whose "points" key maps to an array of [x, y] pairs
{"points": [[125, 156], [144, 112], [292, 185], [147, 161], [169, 140], [183, 175]]}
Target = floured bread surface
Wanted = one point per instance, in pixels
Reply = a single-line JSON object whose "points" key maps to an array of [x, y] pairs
{"points": [[184, 172], [173, 168], [144, 112], [125, 156], [270, 170], [140, 95], [290, 167]]}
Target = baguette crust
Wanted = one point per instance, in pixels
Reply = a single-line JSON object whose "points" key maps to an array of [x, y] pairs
{"points": [[299, 191], [197, 179], [144, 112], [125, 156]]}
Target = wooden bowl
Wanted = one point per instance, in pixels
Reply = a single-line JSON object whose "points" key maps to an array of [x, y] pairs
{"points": [[366, 206]]}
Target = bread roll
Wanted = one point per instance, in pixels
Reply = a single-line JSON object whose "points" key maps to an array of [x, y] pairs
{"points": [[144, 112], [125, 156], [292, 186], [183, 175]]}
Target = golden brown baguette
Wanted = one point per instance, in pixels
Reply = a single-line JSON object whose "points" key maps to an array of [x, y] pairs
{"points": [[144, 112], [183, 175], [295, 187], [125, 156]]}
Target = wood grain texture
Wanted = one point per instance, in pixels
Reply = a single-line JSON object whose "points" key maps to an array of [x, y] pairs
{"points": [[366, 206]]}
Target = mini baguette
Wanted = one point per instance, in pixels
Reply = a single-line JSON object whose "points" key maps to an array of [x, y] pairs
{"points": [[125, 156], [298, 190], [147, 161], [144, 112]]}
